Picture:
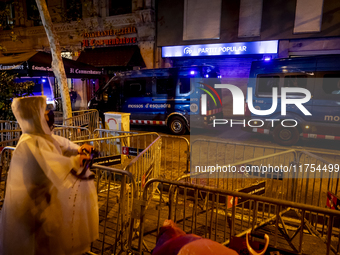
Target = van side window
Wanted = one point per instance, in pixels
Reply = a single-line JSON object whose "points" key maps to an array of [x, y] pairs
{"points": [[165, 86], [295, 81], [184, 85], [331, 83], [135, 88], [266, 83]]}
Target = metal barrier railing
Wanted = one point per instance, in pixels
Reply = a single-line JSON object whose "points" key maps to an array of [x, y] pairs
{"points": [[85, 118], [175, 157], [9, 125], [101, 133], [9, 137], [116, 194], [72, 133], [146, 164], [109, 146], [235, 156], [214, 213], [9, 133], [246, 174], [5, 159]]}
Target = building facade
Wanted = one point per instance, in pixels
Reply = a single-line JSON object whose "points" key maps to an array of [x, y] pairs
{"points": [[230, 34], [114, 35], [81, 25]]}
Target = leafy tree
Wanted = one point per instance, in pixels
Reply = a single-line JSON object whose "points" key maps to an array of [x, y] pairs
{"points": [[10, 89]]}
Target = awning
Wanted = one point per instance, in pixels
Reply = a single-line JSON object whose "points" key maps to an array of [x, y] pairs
{"points": [[120, 56], [39, 64]]}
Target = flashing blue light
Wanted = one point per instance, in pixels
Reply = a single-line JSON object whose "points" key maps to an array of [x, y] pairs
{"points": [[192, 72], [43, 80], [207, 76], [220, 76], [267, 58]]}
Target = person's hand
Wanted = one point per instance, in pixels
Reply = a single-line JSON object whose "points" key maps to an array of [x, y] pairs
{"points": [[88, 148], [83, 159]]}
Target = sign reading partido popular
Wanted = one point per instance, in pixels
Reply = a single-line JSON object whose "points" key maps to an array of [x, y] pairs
{"points": [[220, 49]]}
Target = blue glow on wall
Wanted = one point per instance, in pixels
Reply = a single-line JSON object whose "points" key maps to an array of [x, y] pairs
{"points": [[221, 49]]}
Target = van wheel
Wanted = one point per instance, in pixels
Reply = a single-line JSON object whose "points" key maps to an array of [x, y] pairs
{"points": [[177, 126], [286, 136]]}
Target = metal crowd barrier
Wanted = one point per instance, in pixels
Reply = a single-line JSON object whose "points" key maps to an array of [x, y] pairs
{"points": [[9, 137], [236, 157], [146, 164], [9, 125], [215, 214], [124, 146], [5, 159], [116, 194], [101, 133], [9, 133], [175, 157], [86, 118], [72, 133]]}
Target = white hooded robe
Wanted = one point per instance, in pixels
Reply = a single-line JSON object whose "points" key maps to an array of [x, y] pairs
{"points": [[46, 209]]}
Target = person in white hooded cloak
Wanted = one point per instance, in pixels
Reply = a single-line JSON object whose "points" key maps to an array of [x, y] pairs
{"points": [[47, 209]]}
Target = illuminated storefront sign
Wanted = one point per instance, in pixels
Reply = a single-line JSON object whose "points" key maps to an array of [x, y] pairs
{"points": [[111, 32], [109, 41], [105, 42], [221, 49]]}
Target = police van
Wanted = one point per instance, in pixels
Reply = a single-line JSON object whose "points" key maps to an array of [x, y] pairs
{"points": [[318, 74], [164, 96]]}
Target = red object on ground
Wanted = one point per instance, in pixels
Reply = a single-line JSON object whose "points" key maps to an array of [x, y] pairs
{"points": [[205, 247], [174, 241]]}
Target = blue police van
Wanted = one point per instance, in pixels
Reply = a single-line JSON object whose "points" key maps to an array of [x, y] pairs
{"points": [[318, 74], [164, 96]]}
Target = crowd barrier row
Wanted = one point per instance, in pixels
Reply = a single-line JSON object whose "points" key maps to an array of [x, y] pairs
{"points": [[204, 203]]}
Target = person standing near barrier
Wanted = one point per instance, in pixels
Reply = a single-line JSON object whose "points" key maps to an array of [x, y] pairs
{"points": [[47, 209]]}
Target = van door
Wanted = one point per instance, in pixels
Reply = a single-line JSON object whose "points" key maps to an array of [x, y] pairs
{"points": [[326, 103], [137, 97]]}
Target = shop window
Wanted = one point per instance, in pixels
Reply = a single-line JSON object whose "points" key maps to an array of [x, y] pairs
{"points": [[331, 83], [118, 7], [165, 86], [33, 12], [265, 84]]}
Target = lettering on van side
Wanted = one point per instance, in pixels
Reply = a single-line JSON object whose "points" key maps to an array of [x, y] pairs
{"points": [[153, 106], [158, 106], [135, 106], [331, 118]]}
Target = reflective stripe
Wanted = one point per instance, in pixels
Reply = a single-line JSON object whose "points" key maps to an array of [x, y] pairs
{"points": [[214, 111], [148, 122], [261, 130], [316, 136]]}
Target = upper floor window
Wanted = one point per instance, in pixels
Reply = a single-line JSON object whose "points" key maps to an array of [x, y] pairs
{"points": [[33, 12], [74, 10], [7, 18], [117, 7]]}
